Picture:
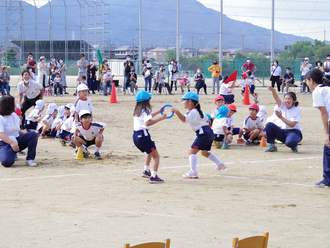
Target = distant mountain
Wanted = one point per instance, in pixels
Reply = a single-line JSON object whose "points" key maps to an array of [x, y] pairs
{"points": [[198, 25]]}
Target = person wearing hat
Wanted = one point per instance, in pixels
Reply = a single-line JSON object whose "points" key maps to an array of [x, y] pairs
{"points": [[249, 66], [290, 131], [12, 139], [143, 120], [43, 72], [68, 125], [218, 101], [220, 128], [104, 66], [82, 103], [319, 65], [327, 67], [245, 83], [230, 120], [34, 116], [44, 126], [252, 126], [304, 68], [229, 98], [199, 123]]}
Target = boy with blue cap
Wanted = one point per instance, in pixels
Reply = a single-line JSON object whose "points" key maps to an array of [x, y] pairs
{"points": [[220, 127]]}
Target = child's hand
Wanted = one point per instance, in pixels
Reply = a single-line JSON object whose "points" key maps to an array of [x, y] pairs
{"points": [[163, 116], [271, 89], [174, 110]]}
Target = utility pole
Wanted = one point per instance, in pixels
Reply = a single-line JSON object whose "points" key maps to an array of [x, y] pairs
{"points": [[140, 38], [243, 43], [272, 36], [192, 45], [177, 32], [220, 38], [324, 36]]}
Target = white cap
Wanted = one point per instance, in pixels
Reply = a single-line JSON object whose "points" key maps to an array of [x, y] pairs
{"points": [[306, 58], [69, 105], [40, 104], [72, 110], [262, 111], [51, 108], [84, 112], [61, 111], [82, 87]]}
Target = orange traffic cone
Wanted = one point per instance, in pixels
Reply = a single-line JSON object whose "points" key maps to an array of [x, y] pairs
{"points": [[113, 97], [246, 100], [263, 142]]}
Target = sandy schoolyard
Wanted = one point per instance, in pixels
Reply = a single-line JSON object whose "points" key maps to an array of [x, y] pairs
{"points": [[65, 202]]}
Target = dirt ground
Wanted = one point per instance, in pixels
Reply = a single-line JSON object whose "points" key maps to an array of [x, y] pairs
{"points": [[65, 202]]}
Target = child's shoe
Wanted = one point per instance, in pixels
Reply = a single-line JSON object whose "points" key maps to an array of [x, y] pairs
{"points": [[271, 148], [295, 149], [97, 155], [321, 184], [86, 154], [30, 163], [240, 140], [16, 157], [248, 143], [63, 142], [42, 136], [146, 174], [155, 179], [72, 144], [217, 144], [190, 174], [222, 166]]}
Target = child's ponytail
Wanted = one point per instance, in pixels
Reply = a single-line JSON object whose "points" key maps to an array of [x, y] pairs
{"points": [[198, 107]]}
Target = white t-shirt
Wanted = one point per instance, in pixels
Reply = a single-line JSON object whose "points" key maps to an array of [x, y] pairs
{"points": [[106, 76], [92, 131], [58, 120], [230, 121], [244, 82], [32, 90], [214, 112], [195, 121], [44, 70], [249, 123], [57, 80], [321, 98], [224, 89], [32, 114], [9, 125], [81, 104], [292, 114], [276, 71], [218, 124], [188, 80], [68, 124], [305, 68], [140, 121], [48, 118]]}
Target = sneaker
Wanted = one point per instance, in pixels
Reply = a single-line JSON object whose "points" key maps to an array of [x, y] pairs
{"points": [[280, 92], [171, 93], [222, 166], [271, 148], [212, 93], [42, 136], [132, 94], [256, 95], [146, 174], [155, 179], [308, 93], [86, 154], [240, 141], [190, 174], [295, 149], [105, 94], [74, 94], [21, 153], [30, 163], [304, 93], [55, 95], [72, 144], [217, 144], [63, 142], [299, 143], [16, 157], [321, 184], [61, 94], [278, 142], [97, 155], [256, 101], [248, 143], [176, 92], [66, 93]]}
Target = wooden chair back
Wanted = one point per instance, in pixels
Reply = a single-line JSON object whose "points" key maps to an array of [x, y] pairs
{"points": [[252, 242], [165, 244]]}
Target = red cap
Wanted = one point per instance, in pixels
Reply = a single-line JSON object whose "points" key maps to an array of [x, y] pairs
{"points": [[219, 98], [254, 106], [244, 75], [18, 111], [232, 107]]}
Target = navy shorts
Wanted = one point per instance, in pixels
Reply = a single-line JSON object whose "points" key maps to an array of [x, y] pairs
{"points": [[88, 142], [247, 136], [142, 140], [204, 141], [53, 132], [30, 124], [219, 137], [65, 135], [235, 130], [252, 87]]}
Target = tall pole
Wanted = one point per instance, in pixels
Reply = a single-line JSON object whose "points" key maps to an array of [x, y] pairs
{"points": [[272, 36], [177, 33], [192, 45], [140, 38], [220, 38]]}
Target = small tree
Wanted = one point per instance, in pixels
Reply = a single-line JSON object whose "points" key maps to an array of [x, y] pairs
{"points": [[10, 56]]}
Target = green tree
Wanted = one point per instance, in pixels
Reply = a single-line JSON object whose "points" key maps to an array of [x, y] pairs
{"points": [[209, 56], [171, 54], [10, 54], [254, 57], [322, 52]]}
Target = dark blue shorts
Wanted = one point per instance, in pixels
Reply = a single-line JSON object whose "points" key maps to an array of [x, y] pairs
{"points": [[235, 130], [30, 124], [252, 87], [65, 135], [219, 137], [247, 136], [53, 132], [204, 141], [88, 142], [142, 140]]}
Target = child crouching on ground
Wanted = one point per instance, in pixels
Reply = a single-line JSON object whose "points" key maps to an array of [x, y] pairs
{"points": [[230, 120], [66, 129], [91, 134], [252, 126], [34, 116], [45, 124], [220, 128]]}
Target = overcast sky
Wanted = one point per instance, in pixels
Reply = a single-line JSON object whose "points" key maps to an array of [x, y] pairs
{"points": [[299, 17]]}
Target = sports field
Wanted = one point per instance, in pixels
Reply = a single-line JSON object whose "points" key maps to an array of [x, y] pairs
{"points": [[65, 202]]}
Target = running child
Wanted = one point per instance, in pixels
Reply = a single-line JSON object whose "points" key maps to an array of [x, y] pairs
{"points": [[230, 120], [91, 134], [252, 86], [220, 128], [320, 87], [143, 119], [45, 124], [199, 124], [229, 98], [246, 82], [252, 126], [82, 103], [31, 121]]}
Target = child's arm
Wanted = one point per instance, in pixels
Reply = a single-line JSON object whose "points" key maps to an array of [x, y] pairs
{"points": [[249, 130], [76, 117], [231, 129], [152, 122], [75, 134], [224, 129], [325, 118], [46, 124], [258, 80], [156, 112], [178, 113], [40, 118]]}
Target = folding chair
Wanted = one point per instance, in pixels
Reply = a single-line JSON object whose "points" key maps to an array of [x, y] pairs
{"points": [[252, 242], [165, 244], [117, 86], [293, 88]]}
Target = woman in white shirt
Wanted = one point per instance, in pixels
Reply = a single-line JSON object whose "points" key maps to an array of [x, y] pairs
{"points": [[12, 139], [32, 92], [43, 71], [276, 75], [289, 113]]}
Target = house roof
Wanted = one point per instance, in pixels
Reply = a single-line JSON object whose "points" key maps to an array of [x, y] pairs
{"points": [[158, 49]]}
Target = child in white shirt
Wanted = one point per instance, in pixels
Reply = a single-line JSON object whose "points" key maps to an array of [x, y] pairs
{"points": [[82, 103], [31, 121], [45, 124], [66, 128], [252, 126], [220, 128]]}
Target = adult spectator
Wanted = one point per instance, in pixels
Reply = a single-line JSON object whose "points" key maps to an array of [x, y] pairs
{"points": [[248, 66], [104, 66], [127, 66], [160, 78], [276, 75], [12, 139], [5, 81], [31, 90], [31, 63], [107, 82], [304, 68], [327, 67], [43, 72], [91, 75], [216, 70], [200, 81], [1, 65], [82, 65], [319, 65], [288, 80], [62, 70]]}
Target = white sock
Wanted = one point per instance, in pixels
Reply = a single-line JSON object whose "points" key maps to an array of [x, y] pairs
{"points": [[154, 173], [252, 97], [214, 158], [146, 168], [83, 148], [193, 162], [97, 149]]}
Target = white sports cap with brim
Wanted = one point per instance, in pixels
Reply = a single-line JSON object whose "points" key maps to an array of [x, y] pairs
{"points": [[40, 104], [69, 105], [82, 87], [51, 108], [84, 112]]}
